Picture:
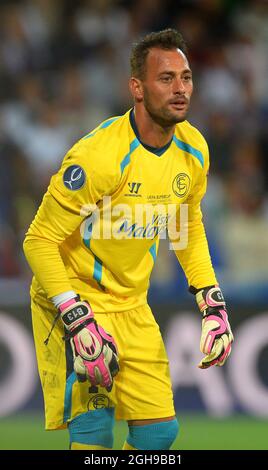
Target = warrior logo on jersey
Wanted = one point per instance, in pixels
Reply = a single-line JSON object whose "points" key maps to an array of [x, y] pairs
{"points": [[134, 187], [74, 177], [181, 184]]}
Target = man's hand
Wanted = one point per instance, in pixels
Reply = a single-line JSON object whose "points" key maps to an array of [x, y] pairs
{"points": [[216, 336], [94, 351]]}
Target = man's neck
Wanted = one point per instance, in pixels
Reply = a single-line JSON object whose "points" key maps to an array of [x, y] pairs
{"points": [[150, 132]]}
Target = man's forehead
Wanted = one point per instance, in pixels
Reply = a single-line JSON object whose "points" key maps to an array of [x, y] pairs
{"points": [[162, 58]]}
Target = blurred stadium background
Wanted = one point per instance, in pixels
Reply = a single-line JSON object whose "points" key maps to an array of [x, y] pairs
{"points": [[63, 69]]}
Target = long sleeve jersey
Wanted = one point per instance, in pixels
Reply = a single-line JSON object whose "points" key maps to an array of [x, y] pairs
{"points": [[98, 227]]}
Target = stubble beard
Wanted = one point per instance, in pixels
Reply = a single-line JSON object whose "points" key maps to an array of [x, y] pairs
{"points": [[163, 116]]}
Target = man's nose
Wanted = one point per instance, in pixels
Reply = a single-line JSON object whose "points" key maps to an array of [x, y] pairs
{"points": [[179, 86]]}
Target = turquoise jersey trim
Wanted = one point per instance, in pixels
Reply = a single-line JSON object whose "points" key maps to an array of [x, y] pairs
{"points": [[97, 273], [189, 149], [87, 236], [126, 160], [68, 397], [102, 126], [152, 250]]}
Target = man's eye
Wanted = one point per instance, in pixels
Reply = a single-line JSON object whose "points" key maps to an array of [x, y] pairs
{"points": [[166, 79], [187, 78]]}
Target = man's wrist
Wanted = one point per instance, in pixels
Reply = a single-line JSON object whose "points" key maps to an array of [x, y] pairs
{"points": [[69, 303], [59, 299], [208, 297]]}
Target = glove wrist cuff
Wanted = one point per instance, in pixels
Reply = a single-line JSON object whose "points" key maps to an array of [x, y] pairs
{"points": [[74, 313], [65, 305], [209, 297]]}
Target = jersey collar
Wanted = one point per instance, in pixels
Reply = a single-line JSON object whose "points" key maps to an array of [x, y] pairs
{"points": [[156, 150]]}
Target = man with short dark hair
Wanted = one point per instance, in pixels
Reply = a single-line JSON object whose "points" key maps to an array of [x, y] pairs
{"points": [[92, 247]]}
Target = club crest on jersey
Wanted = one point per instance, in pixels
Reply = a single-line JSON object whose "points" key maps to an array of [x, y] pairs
{"points": [[181, 184], [99, 402], [74, 177]]}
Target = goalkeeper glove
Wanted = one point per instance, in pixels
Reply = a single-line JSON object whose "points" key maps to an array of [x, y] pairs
{"points": [[216, 336], [94, 350]]}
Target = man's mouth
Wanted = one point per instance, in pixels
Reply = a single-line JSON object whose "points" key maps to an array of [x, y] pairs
{"points": [[179, 104]]}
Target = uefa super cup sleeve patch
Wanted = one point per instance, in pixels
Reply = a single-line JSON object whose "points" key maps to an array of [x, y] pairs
{"points": [[74, 177]]}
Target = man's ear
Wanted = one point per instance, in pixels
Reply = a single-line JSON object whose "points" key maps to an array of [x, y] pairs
{"points": [[136, 89]]}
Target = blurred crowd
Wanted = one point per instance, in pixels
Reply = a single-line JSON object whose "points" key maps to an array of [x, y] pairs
{"points": [[64, 67]]}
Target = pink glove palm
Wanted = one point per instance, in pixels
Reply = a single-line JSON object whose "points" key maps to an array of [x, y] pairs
{"points": [[94, 351]]}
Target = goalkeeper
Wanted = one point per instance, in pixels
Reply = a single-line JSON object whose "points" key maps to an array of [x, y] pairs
{"points": [[99, 349]]}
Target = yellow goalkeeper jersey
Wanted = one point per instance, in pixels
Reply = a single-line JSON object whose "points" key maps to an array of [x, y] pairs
{"points": [[98, 227]]}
